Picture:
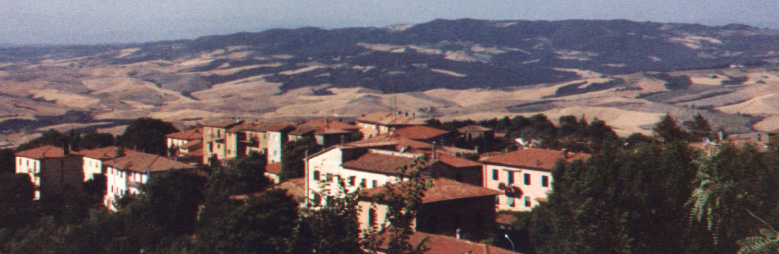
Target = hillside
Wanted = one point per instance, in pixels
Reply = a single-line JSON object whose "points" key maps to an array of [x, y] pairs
{"points": [[627, 73]]}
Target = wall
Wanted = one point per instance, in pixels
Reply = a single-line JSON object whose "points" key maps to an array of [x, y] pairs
{"points": [[92, 167], [529, 192]]}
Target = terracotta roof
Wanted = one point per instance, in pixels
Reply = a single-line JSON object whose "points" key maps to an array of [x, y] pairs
{"points": [[103, 153], [533, 158], [456, 162], [390, 119], [192, 144], [295, 187], [46, 151], [191, 134], [440, 244], [444, 189], [378, 162], [141, 162], [255, 126], [505, 218], [280, 127], [420, 132], [408, 144], [473, 128], [196, 153], [223, 123], [328, 124], [273, 168]]}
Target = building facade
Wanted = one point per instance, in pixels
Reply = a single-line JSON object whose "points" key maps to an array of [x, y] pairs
{"points": [[50, 169]]}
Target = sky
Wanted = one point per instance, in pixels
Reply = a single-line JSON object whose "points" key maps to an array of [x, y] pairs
{"points": [[125, 21]]}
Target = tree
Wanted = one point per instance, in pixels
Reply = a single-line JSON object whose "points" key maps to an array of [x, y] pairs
{"points": [[146, 135], [93, 140], [668, 130], [239, 176], [292, 155], [700, 128], [172, 199], [329, 224], [50, 137], [7, 161]]}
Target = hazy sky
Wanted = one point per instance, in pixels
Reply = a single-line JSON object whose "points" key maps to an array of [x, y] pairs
{"points": [[101, 21]]}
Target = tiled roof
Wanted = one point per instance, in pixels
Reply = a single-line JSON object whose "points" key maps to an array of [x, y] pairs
{"points": [[191, 134], [192, 144], [42, 152], [273, 168], [444, 189], [473, 128], [255, 126], [377, 162], [295, 187], [456, 162], [196, 153], [280, 127], [406, 143], [223, 123], [420, 132], [390, 119], [103, 153], [141, 162], [440, 244], [331, 124], [533, 158]]}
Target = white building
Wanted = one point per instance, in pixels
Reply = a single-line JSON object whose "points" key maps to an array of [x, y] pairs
{"points": [[125, 174], [525, 176], [50, 169], [93, 160]]}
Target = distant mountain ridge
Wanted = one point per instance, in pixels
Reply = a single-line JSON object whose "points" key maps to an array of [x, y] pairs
{"points": [[458, 54]]}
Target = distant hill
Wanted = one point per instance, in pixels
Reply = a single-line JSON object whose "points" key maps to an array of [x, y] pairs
{"points": [[457, 54]]}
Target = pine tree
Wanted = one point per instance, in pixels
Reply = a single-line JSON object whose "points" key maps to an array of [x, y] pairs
{"points": [[668, 130]]}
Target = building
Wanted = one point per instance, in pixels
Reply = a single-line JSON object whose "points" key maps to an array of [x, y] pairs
{"points": [[273, 171], [278, 134], [326, 132], [472, 132], [525, 176], [125, 174], [177, 140], [441, 244], [381, 123], [447, 207], [93, 159], [425, 134], [50, 169], [214, 140]]}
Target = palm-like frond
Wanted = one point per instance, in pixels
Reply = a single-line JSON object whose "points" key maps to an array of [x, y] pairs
{"points": [[767, 243]]}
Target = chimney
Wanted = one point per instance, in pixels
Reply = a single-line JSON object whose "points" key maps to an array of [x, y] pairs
{"points": [[343, 139], [458, 233], [565, 153], [434, 157]]}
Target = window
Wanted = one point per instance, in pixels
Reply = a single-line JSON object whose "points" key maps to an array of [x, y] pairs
{"points": [[495, 174], [527, 201], [510, 201], [527, 179], [510, 177], [316, 175], [352, 180], [372, 217], [544, 181], [329, 177], [373, 184], [362, 183]]}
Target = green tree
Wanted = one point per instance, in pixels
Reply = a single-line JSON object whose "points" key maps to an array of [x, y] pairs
{"points": [[700, 128], [7, 161], [292, 155], [93, 140], [329, 224], [668, 130], [50, 137], [239, 176], [146, 135]]}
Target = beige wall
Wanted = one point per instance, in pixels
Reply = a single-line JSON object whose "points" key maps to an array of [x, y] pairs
{"points": [[210, 146], [529, 192], [56, 173], [363, 215]]}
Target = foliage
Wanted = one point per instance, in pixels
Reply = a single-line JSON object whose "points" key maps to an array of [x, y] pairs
{"points": [[329, 224], [700, 128], [92, 140], [668, 130], [239, 176], [51, 137], [292, 155], [7, 161], [766, 243], [146, 135]]}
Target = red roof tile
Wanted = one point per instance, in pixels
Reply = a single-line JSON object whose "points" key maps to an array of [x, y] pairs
{"points": [[456, 162], [42, 152], [280, 127], [192, 144], [329, 124], [377, 162], [390, 119], [191, 134], [255, 126], [141, 162], [420, 132], [444, 189], [505, 219], [533, 158], [440, 244], [473, 128], [407, 144], [103, 153], [273, 168]]}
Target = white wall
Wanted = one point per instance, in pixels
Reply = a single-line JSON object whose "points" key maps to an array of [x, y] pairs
{"points": [[330, 162], [30, 167], [275, 141], [529, 191], [92, 166], [117, 185]]}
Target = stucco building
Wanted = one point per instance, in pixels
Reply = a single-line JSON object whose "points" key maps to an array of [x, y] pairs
{"points": [[50, 169]]}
